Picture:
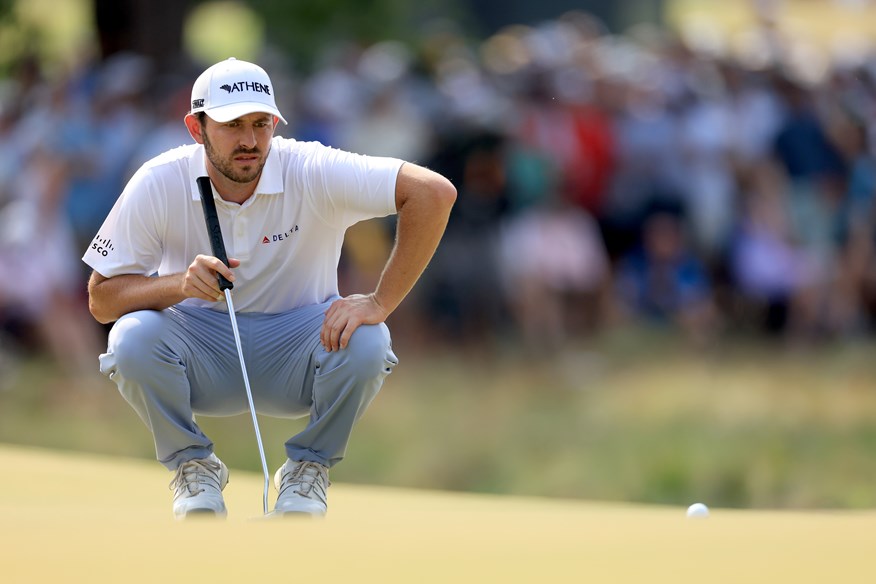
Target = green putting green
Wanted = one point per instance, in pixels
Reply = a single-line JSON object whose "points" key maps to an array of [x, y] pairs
{"points": [[71, 518]]}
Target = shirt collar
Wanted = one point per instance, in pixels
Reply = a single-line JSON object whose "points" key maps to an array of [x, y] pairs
{"points": [[270, 182]]}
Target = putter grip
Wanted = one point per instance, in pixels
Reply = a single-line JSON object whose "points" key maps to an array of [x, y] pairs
{"points": [[213, 228]]}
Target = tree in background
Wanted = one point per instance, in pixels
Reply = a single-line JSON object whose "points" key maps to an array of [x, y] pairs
{"points": [[302, 30], [153, 28]]}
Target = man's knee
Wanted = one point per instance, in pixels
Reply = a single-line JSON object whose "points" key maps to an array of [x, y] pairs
{"points": [[132, 342], [355, 374], [369, 352]]}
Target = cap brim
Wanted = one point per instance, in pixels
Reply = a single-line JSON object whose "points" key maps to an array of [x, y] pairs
{"points": [[226, 113]]}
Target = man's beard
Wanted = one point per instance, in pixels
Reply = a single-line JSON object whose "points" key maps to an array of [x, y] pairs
{"points": [[225, 166]]}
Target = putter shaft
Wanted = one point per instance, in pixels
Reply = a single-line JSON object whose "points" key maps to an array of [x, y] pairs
{"points": [[252, 410]]}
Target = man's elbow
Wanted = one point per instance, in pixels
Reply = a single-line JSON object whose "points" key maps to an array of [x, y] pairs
{"points": [[444, 192], [99, 313], [98, 309]]}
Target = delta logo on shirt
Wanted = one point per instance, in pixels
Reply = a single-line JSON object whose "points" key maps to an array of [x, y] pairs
{"points": [[279, 236]]}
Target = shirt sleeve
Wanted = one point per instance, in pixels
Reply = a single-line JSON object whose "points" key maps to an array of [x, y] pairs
{"points": [[129, 241], [348, 188]]}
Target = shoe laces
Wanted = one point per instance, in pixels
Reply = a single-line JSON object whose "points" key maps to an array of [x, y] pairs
{"points": [[304, 477], [193, 477]]}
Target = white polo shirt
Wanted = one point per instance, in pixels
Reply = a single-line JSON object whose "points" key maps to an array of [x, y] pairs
{"points": [[287, 236]]}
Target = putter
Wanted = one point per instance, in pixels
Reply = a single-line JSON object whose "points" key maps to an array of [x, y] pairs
{"points": [[218, 245]]}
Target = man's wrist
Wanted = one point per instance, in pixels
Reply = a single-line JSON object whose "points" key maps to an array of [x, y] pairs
{"points": [[381, 303]]}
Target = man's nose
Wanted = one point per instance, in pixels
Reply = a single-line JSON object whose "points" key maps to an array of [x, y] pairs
{"points": [[247, 138]]}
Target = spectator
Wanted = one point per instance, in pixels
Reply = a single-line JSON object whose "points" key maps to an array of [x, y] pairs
{"points": [[38, 268], [555, 273], [663, 281], [774, 278], [463, 297]]}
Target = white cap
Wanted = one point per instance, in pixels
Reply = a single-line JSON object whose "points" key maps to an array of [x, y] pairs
{"points": [[231, 89]]}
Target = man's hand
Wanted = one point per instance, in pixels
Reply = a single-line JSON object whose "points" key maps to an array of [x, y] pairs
{"points": [[345, 315], [200, 279]]}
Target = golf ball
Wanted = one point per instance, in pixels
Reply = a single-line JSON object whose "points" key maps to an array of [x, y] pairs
{"points": [[697, 510]]}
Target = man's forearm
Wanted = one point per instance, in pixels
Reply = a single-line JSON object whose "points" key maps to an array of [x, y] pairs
{"points": [[111, 298], [421, 223]]}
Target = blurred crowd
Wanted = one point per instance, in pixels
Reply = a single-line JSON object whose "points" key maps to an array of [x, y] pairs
{"points": [[603, 180]]}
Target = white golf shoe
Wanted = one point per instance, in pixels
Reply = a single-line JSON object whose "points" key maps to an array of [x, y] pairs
{"points": [[197, 488], [302, 487]]}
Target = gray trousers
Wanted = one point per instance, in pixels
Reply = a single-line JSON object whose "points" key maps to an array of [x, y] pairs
{"points": [[175, 363]]}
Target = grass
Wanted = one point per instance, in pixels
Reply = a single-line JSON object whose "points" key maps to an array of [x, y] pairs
{"points": [[109, 517], [632, 416]]}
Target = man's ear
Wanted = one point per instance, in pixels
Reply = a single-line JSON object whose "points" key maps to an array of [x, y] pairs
{"points": [[193, 124]]}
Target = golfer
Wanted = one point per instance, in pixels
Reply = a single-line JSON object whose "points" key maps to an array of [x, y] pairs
{"points": [[283, 207]]}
